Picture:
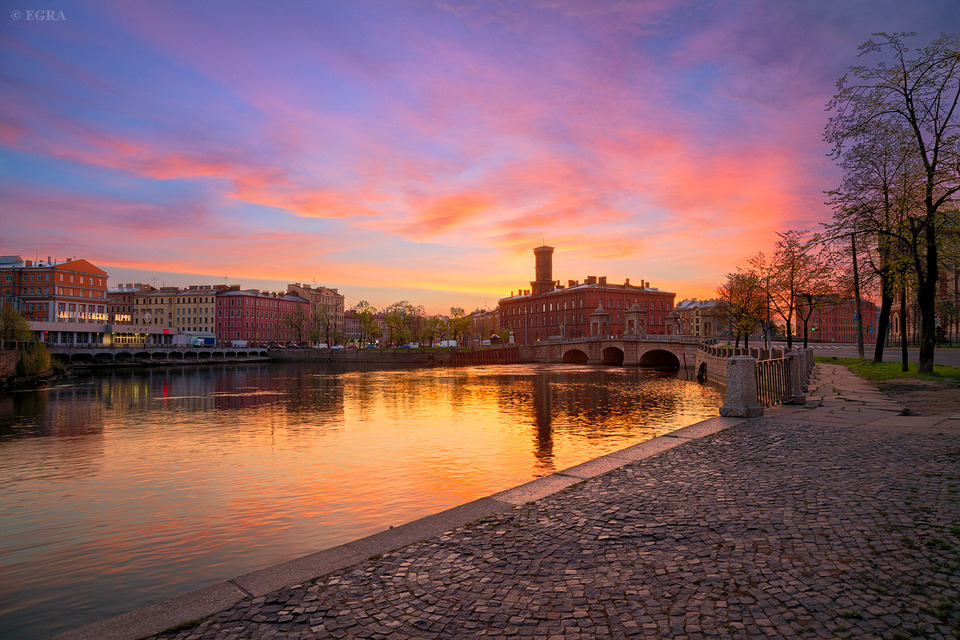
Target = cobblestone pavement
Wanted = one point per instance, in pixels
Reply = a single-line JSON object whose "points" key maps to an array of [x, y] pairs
{"points": [[797, 525]]}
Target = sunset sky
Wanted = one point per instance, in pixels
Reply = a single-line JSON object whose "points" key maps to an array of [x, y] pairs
{"points": [[406, 150]]}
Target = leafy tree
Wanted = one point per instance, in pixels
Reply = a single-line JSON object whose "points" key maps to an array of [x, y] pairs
{"points": [[794, 270], [743, 304], [366, 315], [297, 321], [458, 323], [918, 95], [433, 329], [35, 360], [14, 328], [403, 321]]}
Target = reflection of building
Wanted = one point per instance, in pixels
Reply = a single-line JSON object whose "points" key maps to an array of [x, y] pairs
{"points": [[50, 291], [694, 317], [326, 302], [257, 317], [549, 310]]}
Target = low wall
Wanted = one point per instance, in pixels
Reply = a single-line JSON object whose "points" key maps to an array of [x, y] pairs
{"points": [[712, 359], [406, 357]]}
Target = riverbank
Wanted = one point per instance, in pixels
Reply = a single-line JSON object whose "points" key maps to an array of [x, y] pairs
{"points": [[834, 519]]}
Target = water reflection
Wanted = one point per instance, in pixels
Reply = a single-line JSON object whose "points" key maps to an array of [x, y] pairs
{"points": [[123, 489]]}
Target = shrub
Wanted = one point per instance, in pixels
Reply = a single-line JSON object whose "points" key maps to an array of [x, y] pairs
{"points": [[34, 360]]}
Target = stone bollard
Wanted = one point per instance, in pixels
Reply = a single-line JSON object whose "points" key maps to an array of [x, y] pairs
{"points": [[798, 364], [741, 400], [808, 368]]}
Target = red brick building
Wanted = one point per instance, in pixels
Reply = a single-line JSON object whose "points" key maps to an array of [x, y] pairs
{"points": [[257, 317], [549, 310], [837, 322]]}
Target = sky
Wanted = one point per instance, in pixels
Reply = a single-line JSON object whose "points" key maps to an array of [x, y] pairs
{"points": [[419, 151]]}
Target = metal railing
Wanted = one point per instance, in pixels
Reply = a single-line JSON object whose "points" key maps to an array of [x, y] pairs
{"points": [[773, 382]]}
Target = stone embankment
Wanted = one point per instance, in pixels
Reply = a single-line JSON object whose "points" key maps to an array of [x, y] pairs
{"points": [[839, 518]]}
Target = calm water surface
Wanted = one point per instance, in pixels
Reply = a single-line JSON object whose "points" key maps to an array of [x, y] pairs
{"points": [[120, 490]]}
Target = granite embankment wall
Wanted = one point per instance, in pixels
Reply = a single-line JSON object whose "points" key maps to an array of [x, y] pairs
{"points": [[712, 359], [401, 357], [9, 358]]}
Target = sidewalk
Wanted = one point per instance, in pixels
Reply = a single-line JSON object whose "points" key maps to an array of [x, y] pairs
{"points": [[837, 519]]}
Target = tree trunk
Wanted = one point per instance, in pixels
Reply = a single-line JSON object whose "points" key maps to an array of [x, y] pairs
{"points": [[883, 322], [926, 301], [856, 293], [904, 358]]}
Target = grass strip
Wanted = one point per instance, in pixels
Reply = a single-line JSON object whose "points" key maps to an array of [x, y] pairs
{"points": [[887, 371]]}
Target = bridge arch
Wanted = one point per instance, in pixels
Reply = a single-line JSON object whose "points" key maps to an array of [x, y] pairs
{"points": [[659, 359], [575, 356], [612, 355]]}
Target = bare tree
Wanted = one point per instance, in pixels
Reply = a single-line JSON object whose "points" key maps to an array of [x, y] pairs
{"points": [[880, 184], [919, 95]]}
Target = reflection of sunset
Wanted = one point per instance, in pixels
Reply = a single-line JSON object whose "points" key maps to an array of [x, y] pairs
{"points": [[170, 480]]}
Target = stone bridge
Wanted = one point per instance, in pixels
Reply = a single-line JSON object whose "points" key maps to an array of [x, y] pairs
{"points": [[153, 354], [666, 352]]}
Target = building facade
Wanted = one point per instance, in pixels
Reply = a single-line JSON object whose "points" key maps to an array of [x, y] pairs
{"points": [[54, 291], [837, 322], [551, 311], [155, 307], [326, 303], [195, 309], [258, 317], [120, 301], [692, 317], [484, 326]]}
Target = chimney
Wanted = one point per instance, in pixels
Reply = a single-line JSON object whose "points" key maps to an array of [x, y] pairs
{"points": [[544, 270], [626, 282], [590, 280], [571, 283], [603, 279], [29, 263]]}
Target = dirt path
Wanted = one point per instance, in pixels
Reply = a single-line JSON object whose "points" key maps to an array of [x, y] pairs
{"points": [[924, 398]]}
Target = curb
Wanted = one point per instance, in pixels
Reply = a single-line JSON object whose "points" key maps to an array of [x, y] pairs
{"points": [[208, 601]]}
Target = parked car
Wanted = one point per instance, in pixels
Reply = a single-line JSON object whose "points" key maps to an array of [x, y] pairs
{"points": [[352, 346], [337, 346]]}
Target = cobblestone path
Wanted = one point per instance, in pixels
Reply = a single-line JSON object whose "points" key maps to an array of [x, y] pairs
{"points": [[780, 527]]}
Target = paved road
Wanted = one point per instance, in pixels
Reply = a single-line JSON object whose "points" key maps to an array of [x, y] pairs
{"points": [[890, 354], [838, 519]]}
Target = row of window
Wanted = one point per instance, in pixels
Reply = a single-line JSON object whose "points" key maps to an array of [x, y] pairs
{"points": [[61, 291], [554, 321], [44, 276], [548, 306]]}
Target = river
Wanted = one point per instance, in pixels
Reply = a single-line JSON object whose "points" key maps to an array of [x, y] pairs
{"points": [[122, 489]]}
